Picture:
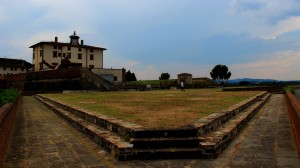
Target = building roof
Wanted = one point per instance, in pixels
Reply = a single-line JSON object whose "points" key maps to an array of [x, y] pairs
{"points": [[9, 62], [66, 44], [73, 43], [184, 74]]}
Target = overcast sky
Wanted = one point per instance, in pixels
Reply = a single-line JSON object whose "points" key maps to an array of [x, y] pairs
{"points": [[254, 38]]}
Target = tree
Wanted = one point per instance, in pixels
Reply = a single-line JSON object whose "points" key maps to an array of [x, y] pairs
{"points": [[244, 83], [164, 76], [130, 76], [220, 73]]}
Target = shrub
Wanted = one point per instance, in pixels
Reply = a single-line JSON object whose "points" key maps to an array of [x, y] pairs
{"points": [[289, 89], [8, 96]]}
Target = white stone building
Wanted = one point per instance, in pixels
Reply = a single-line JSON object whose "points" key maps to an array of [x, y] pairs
{"points": [[79, 54], [13, 66]]}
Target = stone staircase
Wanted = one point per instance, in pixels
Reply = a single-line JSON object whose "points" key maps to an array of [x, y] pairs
{"points": [[97, 81], [206, 138]]}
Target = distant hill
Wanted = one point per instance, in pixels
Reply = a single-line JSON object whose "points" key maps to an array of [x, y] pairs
{"points": [[251, 80]]}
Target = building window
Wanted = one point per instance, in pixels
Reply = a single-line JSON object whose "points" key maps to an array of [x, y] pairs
{"points": [[91, 57], [91, 66], [59, 47], [11, 68], [59, 54], [79, 56], [41, 53], [64, 54], [41, 66], [4, 68], [54, 54], [92, 50], [55, 47], [15, 68], [79, 49], [69, 55], [22, 69], [115, 78], [33, 56], [69, 48]]}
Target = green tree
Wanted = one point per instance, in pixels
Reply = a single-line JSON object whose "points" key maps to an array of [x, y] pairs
{"points": [[164, 76], [130, 76], [244, 83], [220, 73]]}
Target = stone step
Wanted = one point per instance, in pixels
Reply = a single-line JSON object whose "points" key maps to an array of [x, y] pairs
{"points": [[172, 153], [126, 141], [170, 142], [165, 133], [113, 143], [215, 142], [122, 128]]}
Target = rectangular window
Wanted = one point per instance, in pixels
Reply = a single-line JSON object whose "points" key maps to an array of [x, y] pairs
{"points": [[92, 50], [59, 54], [91, 66], [79, 49], [11, 68], [41, 53], [79, 56], [54, 54], [15, 68], [91, 57], [64, 54], [4, 68], [59, 47], [41, 66], [115, 78], [55, 47], [69, 55], [33, 56], [69, 48], [22, 69]]}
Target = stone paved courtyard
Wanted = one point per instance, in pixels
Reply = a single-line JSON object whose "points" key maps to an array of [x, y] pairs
{"points": [[42, 139]]}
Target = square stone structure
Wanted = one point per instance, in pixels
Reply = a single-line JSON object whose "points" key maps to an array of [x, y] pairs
{"points": [[185, 77]]}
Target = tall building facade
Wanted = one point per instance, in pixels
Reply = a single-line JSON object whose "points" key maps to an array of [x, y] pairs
{"points": [[53, 52]]}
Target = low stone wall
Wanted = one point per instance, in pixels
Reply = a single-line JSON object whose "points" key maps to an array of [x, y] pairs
{"points": [[211, 122], [7, 118], [294, 111], [276, 89]]}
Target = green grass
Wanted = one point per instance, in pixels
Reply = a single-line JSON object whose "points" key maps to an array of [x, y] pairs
{"points": [[161, 108], [8, 96]]}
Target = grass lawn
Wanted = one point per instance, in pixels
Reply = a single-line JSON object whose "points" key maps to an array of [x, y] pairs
{"points": [[155, 109]]}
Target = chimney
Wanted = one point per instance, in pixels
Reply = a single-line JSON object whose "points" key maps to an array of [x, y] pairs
{"points": [[81, 42], [56, 39]]}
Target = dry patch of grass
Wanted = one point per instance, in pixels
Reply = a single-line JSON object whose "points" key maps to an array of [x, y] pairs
{"points": [[155, 109]]}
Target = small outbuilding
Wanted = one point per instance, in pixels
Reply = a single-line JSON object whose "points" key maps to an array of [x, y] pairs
{"points": [[185, 77]]}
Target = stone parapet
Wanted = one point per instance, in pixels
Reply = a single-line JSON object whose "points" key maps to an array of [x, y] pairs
{"points": [[7, 118], [294, 112]]}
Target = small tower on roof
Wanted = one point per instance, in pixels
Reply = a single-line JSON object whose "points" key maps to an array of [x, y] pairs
{"points": [[74, 39]]}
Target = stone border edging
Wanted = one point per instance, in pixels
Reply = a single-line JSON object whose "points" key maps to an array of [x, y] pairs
{"points": [[124, 129], [128, 130], [211, 122]]}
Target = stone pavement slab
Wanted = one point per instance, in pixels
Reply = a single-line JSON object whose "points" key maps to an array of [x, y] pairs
{"points": [[42, 139]]}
